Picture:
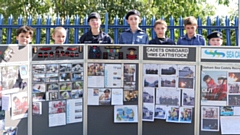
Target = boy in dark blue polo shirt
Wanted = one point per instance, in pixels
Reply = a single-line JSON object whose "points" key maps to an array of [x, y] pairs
{"points": [[160, 28], [191, 38], [134, 35]]}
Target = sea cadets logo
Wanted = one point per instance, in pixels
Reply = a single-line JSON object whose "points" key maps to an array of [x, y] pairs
{"points": [[215, 53]]}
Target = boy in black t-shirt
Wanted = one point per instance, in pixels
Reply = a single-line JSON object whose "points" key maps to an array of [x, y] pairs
{"points": [[160, 27]]}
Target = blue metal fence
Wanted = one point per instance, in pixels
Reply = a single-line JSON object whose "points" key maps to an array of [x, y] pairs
{"points": [[76, 26]]}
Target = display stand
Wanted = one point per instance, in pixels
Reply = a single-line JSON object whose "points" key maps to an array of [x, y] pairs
{"points": [[57, 83]]}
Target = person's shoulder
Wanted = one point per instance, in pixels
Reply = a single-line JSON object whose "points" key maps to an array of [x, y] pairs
{"points": [[199, 35], [153, 41]]}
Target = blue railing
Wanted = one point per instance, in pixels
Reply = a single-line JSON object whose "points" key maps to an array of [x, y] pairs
{"points": [[225, 27]]}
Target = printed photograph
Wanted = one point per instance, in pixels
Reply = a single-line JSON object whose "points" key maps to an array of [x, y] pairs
{"points": [[129, 86], [214, 85], [168, 97], [77, 67], [187, 83], [77, 76], [130, 95], [95, 69], [173, 114], [52, 68], [65, 86], [65, 77], [19, 105], [160, 112], [186, 71], [168, 69], [185, 114], [234, 77], [23, 69], [188, 98], [168, 81], [210, 125], [151, 69], [36, 108], [148, 112], [65, 67], [234, 100], [234, 87], [39, 87], [39, 69], [125, 114], [51, 77], [38, 96], [52, 95], [148, 95], [10, 131], [226, 110], [104, 96], [65, 94], [77, 93], [77, 85], [210, 112], [52, 87], [151, 81], [57, 107], [129, 72], [38, 78], [12, 72]]}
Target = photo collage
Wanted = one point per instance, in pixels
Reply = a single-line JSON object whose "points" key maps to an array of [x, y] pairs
{"points": [[168, 92], [111, 84], [57, 81], [220, 95]]}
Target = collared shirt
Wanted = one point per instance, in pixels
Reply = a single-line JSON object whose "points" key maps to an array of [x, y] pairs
{"points": [[163, 41], [89, 38], [197, 39], [128, 37]]}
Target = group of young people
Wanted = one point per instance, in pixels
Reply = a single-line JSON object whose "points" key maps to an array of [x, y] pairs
{"points": [[133, 35]]}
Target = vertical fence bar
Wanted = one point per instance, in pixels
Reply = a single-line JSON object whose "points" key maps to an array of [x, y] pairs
{"points": [[218, 23], [19, 23], [48, 34], [85, 23], [144, 23], [58, 20], [125, 23], [106, 23], [38, 30], [29, 20], [152, 31], [9, 31], [172, 28], [227, 23], [209, 30], [199, 24], [76, 30], [67, 22], [180, 21], [116, 30], [1, 23], [236, 30]]}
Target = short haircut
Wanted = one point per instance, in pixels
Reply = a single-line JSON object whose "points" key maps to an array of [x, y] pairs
{"points": [[59, 29], [206, 77], [190, 21], [25, 29], [162, 22]]}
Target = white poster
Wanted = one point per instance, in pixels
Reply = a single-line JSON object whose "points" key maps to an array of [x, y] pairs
{"points": [[74, 110], [93, 96], [96, 81], [230, 125], [148, 112], [126, 114], [117, 97], [19, 105], [113, 75], [57, 119]]}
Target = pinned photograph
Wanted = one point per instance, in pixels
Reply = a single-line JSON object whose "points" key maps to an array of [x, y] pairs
{"points": [[172, 114], [186, 71], [160, 112], [148, 95], [52, 95], [38, 78], [130, 95], [76, 93], [151, 81], [95, 69], [209, 112], [185, 115], [12, 72], [188, 98], [19, 105], [168, 81], [51, 77], [125, 114], [151, 69], [77, 85], [187, 83], [57, 107], [52, 87], [168, 69], [234, 100], [129, 72], [226, 110], [39, 69], [65, 77], [38, 96], [77, 67], [52, 68], [65, 67], [234, 87], [37, 108], [77, 76], [39, 87], [129, 86], [104, 96], [168, 97], [148, 112], [65, 94], [65, 86], [234, 77], [23, 71], [214, 87]]}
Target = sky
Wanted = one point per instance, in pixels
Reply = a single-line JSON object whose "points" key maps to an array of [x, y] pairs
{"points": [[222, 10]]}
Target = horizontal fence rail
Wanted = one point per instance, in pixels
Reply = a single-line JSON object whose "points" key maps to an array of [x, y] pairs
{"points": [[43, 26]]}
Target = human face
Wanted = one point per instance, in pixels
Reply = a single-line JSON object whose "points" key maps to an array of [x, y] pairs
{"points": [[133, 21], [215, 42], [95, 23], [24, 38], [220, 81], [160, 30], [59, 37], [190, 30]]}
